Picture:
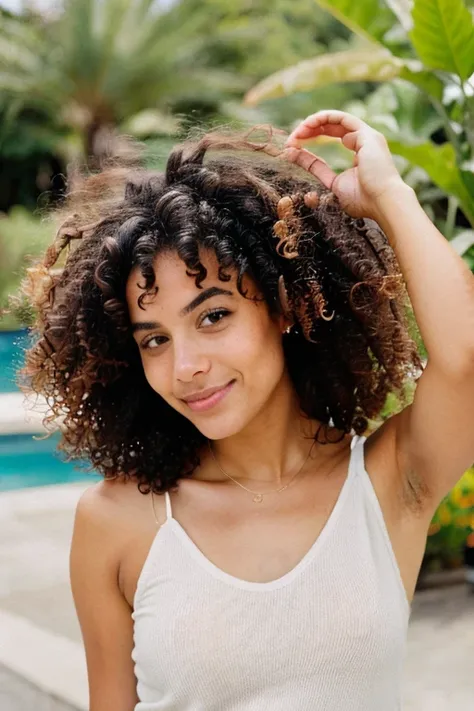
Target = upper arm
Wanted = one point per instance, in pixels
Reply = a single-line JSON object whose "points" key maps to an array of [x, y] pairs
{"points": [[104, 614], [435, 434]]}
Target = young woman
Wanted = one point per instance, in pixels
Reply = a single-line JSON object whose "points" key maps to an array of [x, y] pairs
{"points": [[222, 334]]}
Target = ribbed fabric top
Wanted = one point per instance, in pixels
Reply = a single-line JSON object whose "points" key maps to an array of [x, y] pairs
{"points": [[329, 635]]}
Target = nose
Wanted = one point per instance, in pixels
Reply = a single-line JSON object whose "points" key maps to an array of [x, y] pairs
{"points": [[189, 360]]}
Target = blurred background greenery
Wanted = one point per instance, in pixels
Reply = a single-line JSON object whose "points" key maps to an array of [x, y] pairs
{"points": [[75, 75]]}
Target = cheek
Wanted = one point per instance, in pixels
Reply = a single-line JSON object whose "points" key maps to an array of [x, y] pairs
{"points": [[156, 374], [256, 353], [259, 356]]}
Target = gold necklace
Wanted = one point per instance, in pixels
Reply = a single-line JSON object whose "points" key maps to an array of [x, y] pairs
{"points": [[258, 496]]}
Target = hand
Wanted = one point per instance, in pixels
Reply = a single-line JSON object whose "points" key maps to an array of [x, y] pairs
{"points": [[361, 190]]}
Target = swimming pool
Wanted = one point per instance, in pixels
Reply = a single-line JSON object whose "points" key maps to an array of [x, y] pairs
{"points": [[12, 344], [26, 462]]}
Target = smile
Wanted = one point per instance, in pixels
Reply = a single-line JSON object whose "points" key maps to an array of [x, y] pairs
{"points": [[208, 402]]}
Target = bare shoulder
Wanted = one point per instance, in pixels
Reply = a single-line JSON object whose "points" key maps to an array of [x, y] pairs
{"points": [[99, 504], [118, 498], [121, 521], [106, 513], [96, 522]]}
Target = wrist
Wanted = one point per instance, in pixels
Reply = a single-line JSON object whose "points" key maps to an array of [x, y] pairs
{"points": [[387, 205]]}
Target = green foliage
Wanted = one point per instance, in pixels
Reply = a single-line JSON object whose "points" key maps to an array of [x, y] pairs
{"points": [[353, 65], [368, 19], [76, 77], [29, 155], [93, 66], [439, 162], [22, 238], [442, 37], [451, 525]]}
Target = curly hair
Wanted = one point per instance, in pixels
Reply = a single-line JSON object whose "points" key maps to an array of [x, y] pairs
{"points": [[336, 276]]}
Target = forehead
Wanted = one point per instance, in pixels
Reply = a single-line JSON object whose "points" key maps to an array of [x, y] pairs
{"points": [[173, 282]]}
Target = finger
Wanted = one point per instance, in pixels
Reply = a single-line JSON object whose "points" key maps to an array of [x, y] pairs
{"points": [[333, 117], [313, 164], [354, 141], [336, 123], [350, 139], [333, 131]]}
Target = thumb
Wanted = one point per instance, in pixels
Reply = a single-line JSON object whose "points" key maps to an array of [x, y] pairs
{"points": [[343, 185], [353, 140]]}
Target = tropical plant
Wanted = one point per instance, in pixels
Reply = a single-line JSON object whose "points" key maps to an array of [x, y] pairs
{"points": [[451, 525], [95, 66], [28, 156], [22, 238], [428, 44], [70, 78]]}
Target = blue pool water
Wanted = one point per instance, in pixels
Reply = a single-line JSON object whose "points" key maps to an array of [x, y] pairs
{"points": [[12, 344], [26, 462]]}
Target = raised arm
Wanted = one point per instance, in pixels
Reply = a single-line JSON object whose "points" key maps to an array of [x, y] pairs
{"points": [[435, 435]]}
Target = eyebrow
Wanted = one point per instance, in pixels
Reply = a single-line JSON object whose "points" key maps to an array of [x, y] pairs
{"points": [[197, 301]]}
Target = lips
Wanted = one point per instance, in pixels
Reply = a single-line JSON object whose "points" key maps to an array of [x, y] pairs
{"points": [[204, 394], [200, 404]]}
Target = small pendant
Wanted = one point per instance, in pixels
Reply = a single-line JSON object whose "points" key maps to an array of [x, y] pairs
{"points": [[258, 498]]}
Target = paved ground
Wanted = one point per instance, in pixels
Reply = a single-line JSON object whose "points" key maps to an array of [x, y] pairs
{"points": [[17, 694], [40, 638], [440, 657]]}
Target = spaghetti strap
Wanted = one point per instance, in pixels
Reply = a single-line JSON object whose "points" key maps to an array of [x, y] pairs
{"points": [[168, 505], [354, 440], [357, 453]]}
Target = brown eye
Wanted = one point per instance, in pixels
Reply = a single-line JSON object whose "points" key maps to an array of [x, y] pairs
{"points": [[215, 316], [149, 344]]}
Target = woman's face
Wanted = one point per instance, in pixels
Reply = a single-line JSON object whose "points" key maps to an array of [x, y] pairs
{"points": [[192, 340]]}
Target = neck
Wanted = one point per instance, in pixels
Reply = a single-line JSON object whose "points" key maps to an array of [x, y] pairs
{"points": [[270, 450]]}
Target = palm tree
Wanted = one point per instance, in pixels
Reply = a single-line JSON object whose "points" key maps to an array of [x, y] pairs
{"points": [[98, 65]]}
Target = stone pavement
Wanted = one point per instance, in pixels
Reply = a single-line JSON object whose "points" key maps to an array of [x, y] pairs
{"points": [[440, 656], [40, 641], [17, 694], [20, 414]]}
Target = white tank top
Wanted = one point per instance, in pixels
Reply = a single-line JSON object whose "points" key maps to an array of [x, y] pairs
{"points": [[329, 635]]}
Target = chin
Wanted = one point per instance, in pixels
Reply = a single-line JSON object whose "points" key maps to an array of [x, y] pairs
{"points": [[218, 430], [222, 425]]}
